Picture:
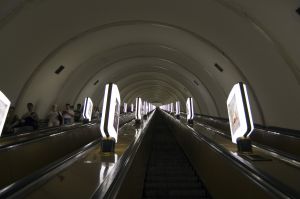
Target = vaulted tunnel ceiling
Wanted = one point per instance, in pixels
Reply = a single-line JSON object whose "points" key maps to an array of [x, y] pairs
{"points": [[161, 51]]}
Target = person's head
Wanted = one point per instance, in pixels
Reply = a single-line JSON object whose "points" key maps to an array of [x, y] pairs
{"points": [[54, 107], [68, 106], [78, 106], [30, 107]]}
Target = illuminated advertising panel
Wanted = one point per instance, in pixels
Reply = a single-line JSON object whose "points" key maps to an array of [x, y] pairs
{"points": [[239, 113], [132, 108], [4, 107], [87, 109], [177, 108], [110, 112], [138, 108], [125, 108], [145, 108], [142, 108], [190, 108]]}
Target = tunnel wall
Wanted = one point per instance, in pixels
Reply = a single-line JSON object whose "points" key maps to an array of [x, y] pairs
{"points": [[94, 39]]}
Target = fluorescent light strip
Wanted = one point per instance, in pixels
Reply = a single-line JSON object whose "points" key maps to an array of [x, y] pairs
{"points": [[177, 108], [138, 107], [110, 113], [87, 109], [125, 108], [132, 108], [4, 108], [189, 108]]}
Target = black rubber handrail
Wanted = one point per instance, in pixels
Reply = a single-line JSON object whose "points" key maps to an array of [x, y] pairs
{"points": [[263, 146], [36, 136], [282, 131], [112, 183], [41, 136], [266, 182], [47, 129]]}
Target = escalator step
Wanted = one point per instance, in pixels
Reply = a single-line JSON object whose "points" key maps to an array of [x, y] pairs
{"points": [[169, 173], [176, 193], [173, 185], [171, 179]]}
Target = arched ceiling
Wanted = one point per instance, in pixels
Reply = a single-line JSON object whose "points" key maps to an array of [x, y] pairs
{"points": [[162, 51]]}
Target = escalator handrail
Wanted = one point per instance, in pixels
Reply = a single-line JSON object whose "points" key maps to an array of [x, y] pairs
{"points": [[290, 156], [267, 129], [41, 130], [266, 182], [28, 182], [45, 135], [35, 136], [113, 181], [37, 176], [286, 155]]}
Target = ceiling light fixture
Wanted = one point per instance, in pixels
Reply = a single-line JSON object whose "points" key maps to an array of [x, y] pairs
{"points": [[218, 67], [59, 69]]}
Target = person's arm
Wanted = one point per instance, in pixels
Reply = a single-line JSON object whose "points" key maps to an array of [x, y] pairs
{"points": [[71, 113]]}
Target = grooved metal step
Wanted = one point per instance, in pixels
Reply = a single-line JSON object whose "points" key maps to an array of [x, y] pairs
{"points": [[169, 173]]}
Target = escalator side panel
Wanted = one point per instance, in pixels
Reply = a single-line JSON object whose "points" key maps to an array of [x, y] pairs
{"points": [[133, 183], [21, 161], [279, 142], [221, 177]]}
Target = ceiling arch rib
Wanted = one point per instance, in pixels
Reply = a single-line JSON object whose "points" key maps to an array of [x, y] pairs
{"points": [[133, 93], [166, 95], [181, 96], [235, 35], [124, 88], [161, 100], [240, 9], [244, 10], [148, 76], [164, 38], [217, 100], [166, 92], [127, 90], [127, 74]]}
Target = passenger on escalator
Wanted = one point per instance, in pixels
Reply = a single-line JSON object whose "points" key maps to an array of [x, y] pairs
{"points": [[78, 112], [96, 113], [12, 121], [68, 115], [54, 116], [30, 119]]}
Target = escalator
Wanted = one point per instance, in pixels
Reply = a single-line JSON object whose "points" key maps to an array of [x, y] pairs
{"points": [[41, 151], [162, 158], [169, 173]]}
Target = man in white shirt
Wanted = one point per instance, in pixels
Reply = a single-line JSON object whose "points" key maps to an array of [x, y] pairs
{"points": [[68, 115]]}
